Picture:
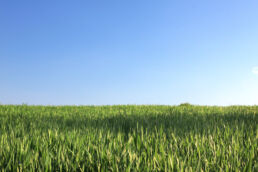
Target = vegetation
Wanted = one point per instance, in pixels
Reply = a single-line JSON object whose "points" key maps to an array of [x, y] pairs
{"points": [[128, 138]]}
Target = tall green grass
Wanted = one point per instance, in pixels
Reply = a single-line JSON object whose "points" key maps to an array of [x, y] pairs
{"points": [[128, 138]]}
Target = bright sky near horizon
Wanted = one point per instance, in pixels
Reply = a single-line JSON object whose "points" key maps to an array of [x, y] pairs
{"points": [[88, 52]]}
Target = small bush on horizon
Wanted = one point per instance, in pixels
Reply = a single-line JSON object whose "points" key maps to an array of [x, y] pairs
{"points": [[185, 104]]}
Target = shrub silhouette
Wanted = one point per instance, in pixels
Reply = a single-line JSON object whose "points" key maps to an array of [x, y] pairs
{"points": [[185, 104]]}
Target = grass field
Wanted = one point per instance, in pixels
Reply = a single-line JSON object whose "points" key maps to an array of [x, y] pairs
{"points": [[128, 138]]}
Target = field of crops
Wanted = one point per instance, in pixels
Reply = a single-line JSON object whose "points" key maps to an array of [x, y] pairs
{"points": [[128, 138]]}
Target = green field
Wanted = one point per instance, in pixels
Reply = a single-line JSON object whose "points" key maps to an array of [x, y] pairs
{"points": [[128, 138]]}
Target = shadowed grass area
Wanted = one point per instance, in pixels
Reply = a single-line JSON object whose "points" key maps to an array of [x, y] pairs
{"points": [[119, 138]]}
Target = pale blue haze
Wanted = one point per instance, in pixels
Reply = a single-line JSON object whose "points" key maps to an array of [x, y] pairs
{"points": [[94, 52]]}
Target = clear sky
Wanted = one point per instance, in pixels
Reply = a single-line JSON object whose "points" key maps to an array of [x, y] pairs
{"points": [[95, 52]]}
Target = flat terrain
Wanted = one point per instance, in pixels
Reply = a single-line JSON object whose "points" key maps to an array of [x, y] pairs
{"points": [[128, 138]]}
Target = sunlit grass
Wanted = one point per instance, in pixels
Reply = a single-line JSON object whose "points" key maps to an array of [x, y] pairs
{"points": [[128, 138]]}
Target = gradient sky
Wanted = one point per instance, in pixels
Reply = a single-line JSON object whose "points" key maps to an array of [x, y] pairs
{"points": [[94, 52]]}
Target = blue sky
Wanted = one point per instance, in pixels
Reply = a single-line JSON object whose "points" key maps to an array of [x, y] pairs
{"points": [[128, 52]]}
